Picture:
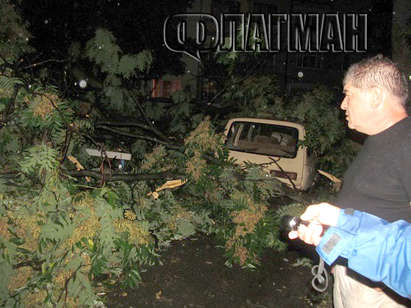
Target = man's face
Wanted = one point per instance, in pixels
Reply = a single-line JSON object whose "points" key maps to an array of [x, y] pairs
{"points": [[357, 106]]}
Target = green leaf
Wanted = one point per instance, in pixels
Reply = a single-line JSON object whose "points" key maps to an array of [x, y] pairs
{"points": [[186, 229], [103, 50], [144, 60], [6, 272], [128, 65]]}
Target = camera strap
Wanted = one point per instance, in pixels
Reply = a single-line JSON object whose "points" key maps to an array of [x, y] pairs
{"points": [[320, 279]]}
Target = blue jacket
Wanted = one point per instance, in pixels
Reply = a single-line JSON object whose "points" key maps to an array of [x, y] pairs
{"points": [[375, 248]]}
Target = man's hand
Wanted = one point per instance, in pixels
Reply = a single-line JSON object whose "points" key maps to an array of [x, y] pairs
{"points": [[317, 215], [310, 234], [322, 213]]}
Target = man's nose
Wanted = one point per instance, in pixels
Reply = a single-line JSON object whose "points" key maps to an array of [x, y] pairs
{"points": [[343, 105]]}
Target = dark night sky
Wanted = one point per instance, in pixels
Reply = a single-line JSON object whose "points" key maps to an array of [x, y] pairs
{"points": [[138, 25]]}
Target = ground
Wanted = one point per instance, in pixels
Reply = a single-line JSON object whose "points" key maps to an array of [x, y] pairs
{"points": [[194, 274]]}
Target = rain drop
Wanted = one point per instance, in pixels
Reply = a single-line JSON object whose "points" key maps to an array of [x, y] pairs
{"points": [[82, 83]]}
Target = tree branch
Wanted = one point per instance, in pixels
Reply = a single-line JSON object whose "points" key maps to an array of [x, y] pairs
{"points": [[221, 92], [10, 106], [283, 172], [67, 140], [149, 123], [43, 62], [124, 177], [124, 124], [122, 133], [6, 64]]}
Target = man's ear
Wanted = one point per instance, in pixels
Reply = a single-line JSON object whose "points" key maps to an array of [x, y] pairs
{"points": [[378, 96]]}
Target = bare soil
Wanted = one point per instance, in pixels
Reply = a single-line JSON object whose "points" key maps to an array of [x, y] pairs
{"points": [[194, 274]]}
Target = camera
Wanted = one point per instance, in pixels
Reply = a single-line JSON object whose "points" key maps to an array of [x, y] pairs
{"points": [[291, 223]]}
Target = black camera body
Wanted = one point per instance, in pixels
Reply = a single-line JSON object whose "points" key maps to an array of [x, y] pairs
{"points": [[291, 223]]}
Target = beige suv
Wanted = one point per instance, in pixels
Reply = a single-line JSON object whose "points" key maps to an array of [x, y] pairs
{"points": [[275, 145]]}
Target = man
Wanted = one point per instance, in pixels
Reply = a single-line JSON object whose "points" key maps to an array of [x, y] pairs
{"points": [[373, 247], [379, 179]]}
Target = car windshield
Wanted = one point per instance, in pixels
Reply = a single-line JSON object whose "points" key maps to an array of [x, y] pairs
{"points": [[264, 139]]}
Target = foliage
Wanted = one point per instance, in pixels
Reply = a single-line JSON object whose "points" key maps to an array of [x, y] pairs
{"points": [[13, 33], [103, 50], [71, 224], [236, 200], [59, 236], [56, 238]]}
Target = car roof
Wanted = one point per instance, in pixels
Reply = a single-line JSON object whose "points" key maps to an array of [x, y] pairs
{"points": [[267, 121]]}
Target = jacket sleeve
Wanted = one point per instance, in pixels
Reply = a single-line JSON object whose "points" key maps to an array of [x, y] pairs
{"points": [[375, 248]]}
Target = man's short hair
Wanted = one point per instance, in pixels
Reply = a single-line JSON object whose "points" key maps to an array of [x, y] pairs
{"points": [[378, 71]]}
